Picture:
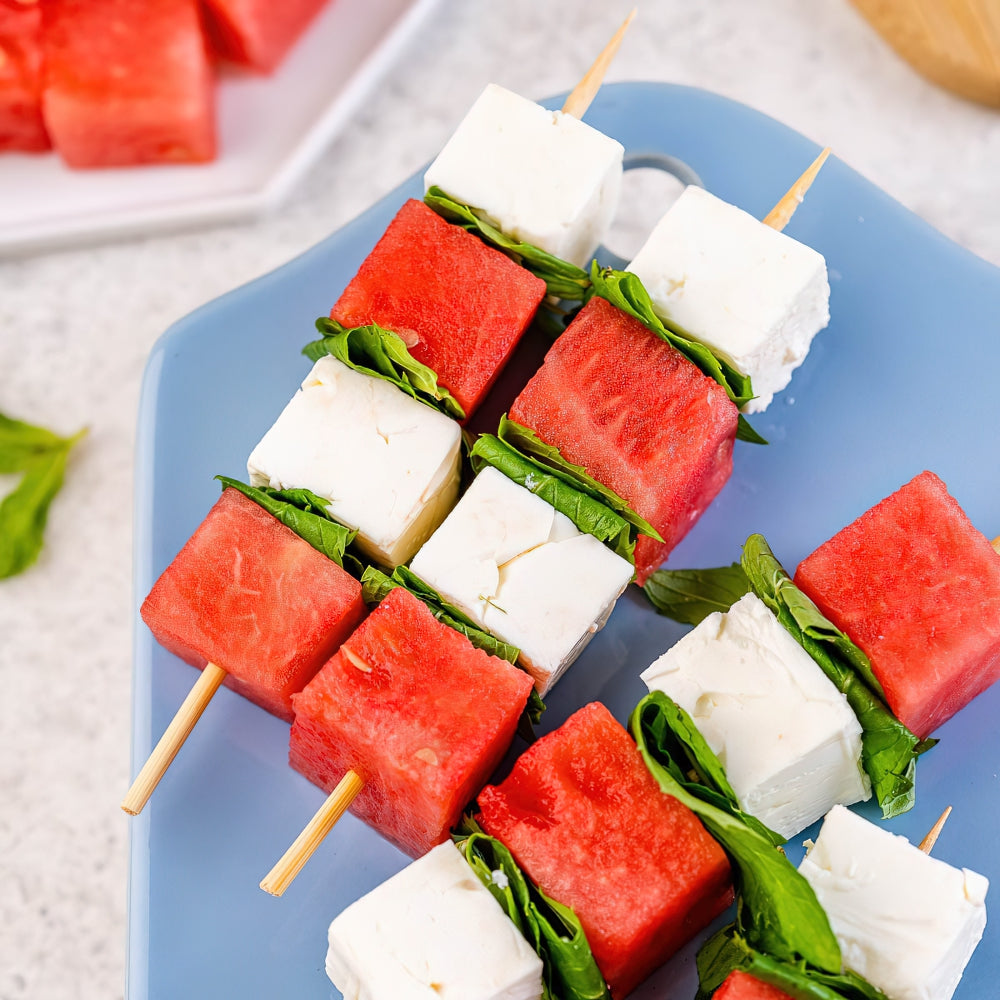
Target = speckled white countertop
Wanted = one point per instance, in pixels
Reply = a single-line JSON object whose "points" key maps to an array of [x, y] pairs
{"points": [[76, 327]]}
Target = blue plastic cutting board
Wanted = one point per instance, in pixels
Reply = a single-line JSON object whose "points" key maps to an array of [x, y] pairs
{"points": [[903, 379]]}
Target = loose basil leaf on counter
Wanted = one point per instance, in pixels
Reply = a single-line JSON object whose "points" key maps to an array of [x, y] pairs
{"points": [[689, 596], [625, 291], [381, 353], [562, 279], [726, 950], [302, 511], [549, 459], [683, 751], [552, 929], [777, 910], [889, 750], [589, 515], [41, 456]]}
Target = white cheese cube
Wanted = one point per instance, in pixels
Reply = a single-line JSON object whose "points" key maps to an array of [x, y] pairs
{"points": [[789, 742], [754, 295], [905, 921], [539, 176], [431, 932], [388, 465], [524, 572]]}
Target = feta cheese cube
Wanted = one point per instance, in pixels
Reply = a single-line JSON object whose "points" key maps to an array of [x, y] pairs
{"points": [[752, 294], [789, 742], [388, 465], [524, 572], [431, 932], [905, 921], [539, 176]]}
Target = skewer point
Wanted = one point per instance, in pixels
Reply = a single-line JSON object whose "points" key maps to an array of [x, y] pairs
{"points": [[996, 543], [927, 844], [586, 90], [782, 213]]}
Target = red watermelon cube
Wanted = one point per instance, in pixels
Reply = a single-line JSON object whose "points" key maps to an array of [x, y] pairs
{"points": [[741, 986], [639, 416], [257, 33], [127, 82], [460, 305], [588, 823], [251, 596], [21, 124], [917, 587], [415, 709]]}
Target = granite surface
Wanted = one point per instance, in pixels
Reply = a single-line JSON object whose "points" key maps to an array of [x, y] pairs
{"points": [[76, 327]]}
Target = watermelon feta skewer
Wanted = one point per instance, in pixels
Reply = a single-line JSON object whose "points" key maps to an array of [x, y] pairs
{"points": [[251, 603], [403, 725]]}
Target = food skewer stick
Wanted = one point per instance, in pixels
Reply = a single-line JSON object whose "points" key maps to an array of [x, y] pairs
{"points": [[281, 876], [782, 213], [996, 543], [173, 738], [586, 90], [927, 844]]}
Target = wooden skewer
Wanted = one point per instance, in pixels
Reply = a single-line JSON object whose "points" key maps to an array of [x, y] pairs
{"points": [[782, 213], [927, 844], [996, 543], [586, 90], [173, 739], [281, 876]]}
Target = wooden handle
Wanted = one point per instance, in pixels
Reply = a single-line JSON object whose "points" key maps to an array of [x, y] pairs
{"points": [[586, 90], [173, 739], [782, 213], [281, 876], [927, 844]]}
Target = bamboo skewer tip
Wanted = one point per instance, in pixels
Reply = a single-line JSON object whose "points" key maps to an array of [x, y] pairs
{"points": [[281, 876], [996, 544], [173, 739], [927, 844], [586, 90], [782, 213]]}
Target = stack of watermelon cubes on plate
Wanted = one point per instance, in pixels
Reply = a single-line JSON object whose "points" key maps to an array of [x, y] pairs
{"points": [[118, 83]]}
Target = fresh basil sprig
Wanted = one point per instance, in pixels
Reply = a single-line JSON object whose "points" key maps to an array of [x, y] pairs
{"points": [[689, 596], [305, 513], [552, 929], [625, 291], [726, 950], [777, 910], [691, 761], [373, 350], [889, 750], [562, 279], [588, 514], [375, 585], [41, 456]]}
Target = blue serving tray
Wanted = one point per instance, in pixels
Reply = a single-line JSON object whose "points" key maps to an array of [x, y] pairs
{"points": [[903, 379]]}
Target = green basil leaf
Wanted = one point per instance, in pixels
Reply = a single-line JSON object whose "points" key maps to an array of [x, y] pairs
{"points": [[689, 596], [625, 291], [302, 511], [552, 929], [745, 432], [21, 444], [381, 353], [889, 750], [727, 951], [562, 279], [589, 515], [548, 458], [777, 910]]}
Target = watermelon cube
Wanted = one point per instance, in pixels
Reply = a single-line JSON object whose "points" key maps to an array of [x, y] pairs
{"points": [[127, 83], [639, 416], [742, 986], [460, 305], [251, 596], [589, 825], [917, 587], [415, 709], [21, 124], [257, 33]]}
